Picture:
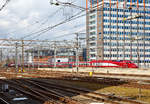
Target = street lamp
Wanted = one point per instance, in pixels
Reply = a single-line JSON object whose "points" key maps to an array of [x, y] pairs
{"points": [[132, 17], [134, 39]]}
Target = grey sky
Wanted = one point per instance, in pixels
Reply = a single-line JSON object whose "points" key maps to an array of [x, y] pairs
{"points": [[21, 17]]}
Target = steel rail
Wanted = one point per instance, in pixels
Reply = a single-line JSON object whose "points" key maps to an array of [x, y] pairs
{"points": [[2, 101], [48, 95], [112, 99], [29, 92], [51, 93]]}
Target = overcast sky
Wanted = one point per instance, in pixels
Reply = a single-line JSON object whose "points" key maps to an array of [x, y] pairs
{"points": [[22, 17]]}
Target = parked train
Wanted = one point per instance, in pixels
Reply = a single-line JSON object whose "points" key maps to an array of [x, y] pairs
{"points": [[94, 63]]}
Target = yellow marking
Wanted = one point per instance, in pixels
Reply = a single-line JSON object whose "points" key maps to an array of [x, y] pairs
{"points": [[91, 73]]}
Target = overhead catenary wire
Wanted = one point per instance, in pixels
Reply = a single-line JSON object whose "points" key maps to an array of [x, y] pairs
{"points": [[13, 31], [63, 35], [4, 5], [40, 22], [44, 22], [47, 29], [37, 36], [68, 4], [39, 33], [51, 27], [42, 31]]}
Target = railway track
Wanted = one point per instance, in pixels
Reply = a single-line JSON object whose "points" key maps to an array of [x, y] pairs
{"points": [[71, 91], [41, 94], [87, 93], [50, 92], [55, 93], [107, 81], [37, 74], [2, 101], [85, 74]]}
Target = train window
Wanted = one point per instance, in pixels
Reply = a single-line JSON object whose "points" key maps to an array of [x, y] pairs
{"points": [[94, 64], [119, 60], [128, 62]]}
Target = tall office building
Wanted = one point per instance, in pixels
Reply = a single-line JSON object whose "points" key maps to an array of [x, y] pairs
{"points": [[119, 30]]}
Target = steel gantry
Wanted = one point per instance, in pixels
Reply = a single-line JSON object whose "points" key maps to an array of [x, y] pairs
{"points": [[20, 49]]}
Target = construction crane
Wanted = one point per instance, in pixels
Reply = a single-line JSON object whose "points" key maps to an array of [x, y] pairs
{"points": [[58, 3]]}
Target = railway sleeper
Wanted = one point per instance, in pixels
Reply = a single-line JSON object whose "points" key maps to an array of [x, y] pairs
{"points": [[2, 101], [54, 94], [87, 91], [45, 95], [101, 97], [19, 88]]}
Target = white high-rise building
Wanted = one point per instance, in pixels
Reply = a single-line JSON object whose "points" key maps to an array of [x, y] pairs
{"points": [[119, 30]]}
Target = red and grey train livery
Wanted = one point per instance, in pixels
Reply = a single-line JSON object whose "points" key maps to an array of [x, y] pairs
{"points": [[94, 63]]}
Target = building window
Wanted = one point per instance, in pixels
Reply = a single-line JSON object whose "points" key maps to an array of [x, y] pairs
{"points": [[92, 50], [92, 33], [92, 11], [93, 55], [93, 44], [92, 22], [93, 16], [92, 27]]}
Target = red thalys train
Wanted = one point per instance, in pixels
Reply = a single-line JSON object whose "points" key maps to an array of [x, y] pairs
{"points": [[94, 63]]}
